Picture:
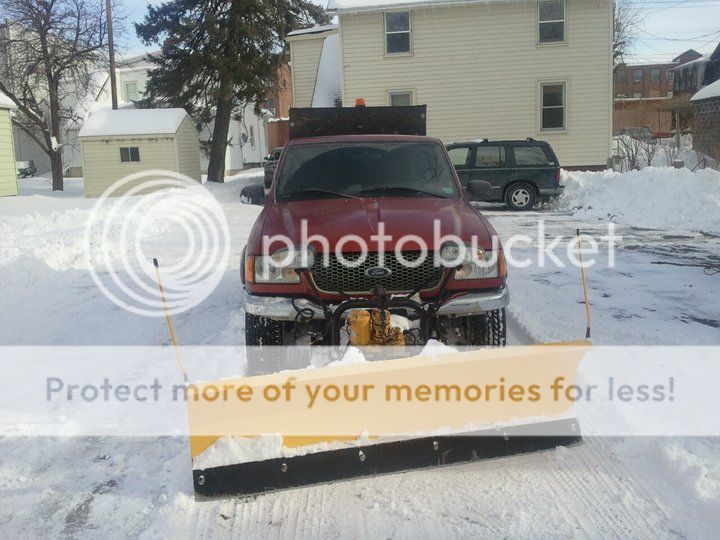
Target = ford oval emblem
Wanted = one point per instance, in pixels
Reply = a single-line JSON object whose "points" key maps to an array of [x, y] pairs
{"points": [[377, 272]]}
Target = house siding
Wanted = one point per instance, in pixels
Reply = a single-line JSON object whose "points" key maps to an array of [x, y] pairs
{"points": [[188, 150], [8, 172], [478, 67], [305, 57], [102, 166]]}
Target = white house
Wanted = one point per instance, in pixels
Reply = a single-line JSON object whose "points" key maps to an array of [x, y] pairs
{"points": [[248, 136], [501, 69], [118, 143], [8, 172]]}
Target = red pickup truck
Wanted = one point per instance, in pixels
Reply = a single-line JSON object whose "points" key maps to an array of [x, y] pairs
{"points": [[363, 221]]}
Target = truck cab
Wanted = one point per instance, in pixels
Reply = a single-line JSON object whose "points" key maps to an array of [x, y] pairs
{"points": [[371, 221]]}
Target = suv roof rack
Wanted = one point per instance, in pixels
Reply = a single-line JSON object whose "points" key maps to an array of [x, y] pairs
{"points": [[361, 120]]}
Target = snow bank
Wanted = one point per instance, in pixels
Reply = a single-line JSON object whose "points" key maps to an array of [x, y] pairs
{"points": [[663, 198]]}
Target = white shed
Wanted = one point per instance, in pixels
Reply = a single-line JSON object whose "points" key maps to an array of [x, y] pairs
{"points": [[8, 171], [117, 143]]}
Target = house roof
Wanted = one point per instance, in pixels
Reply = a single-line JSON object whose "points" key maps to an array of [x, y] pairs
{"points": [[127, 122], [689, 52], [372, 5], [710, 91], [6, 102], [313, 30]]}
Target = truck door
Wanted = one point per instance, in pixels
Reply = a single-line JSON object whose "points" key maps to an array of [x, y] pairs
{"points": [[490, 164], [460, 158]]}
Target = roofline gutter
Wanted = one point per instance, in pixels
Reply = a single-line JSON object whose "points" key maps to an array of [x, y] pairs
{"points": [[411, 5]]}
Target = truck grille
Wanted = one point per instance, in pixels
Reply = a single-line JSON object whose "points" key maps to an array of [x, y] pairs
{"points": [[338, 277]]}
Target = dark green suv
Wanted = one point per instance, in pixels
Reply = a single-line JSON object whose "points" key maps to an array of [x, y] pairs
{"points": [[519, 172]]}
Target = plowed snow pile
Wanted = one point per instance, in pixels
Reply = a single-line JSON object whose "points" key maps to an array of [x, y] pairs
{"points": [[655, 197]]}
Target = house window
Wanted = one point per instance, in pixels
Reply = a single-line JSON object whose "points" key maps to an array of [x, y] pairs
{"points": [[655, 75], [459, 156], [252, 136], [638, 75], [637, 95], [131, 91], [551, 21], [489, 156], [621, 76], [400, 99], [397, 32], [670, 75], [553, 106], [129, 153], [620, 96]]}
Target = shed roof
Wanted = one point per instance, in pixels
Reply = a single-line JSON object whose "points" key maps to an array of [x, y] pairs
{"points": [[6, 102], [710, 91], [128, 122]]}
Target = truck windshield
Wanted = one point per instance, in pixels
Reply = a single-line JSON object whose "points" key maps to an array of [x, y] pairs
{"points": [[365, 169]]}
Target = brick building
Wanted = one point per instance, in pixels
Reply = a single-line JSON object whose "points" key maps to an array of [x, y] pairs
{"points": [[278, 102], [643, 92]]}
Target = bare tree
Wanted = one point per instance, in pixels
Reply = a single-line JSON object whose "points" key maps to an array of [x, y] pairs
{"points": [[629, 149], [627, 17], [51, 48]]}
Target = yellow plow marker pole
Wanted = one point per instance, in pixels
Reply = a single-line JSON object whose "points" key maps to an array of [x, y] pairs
{"points": [[584, 287], [178, 353]]}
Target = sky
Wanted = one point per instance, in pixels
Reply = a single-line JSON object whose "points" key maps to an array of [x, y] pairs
{"points": [[667, 28]]}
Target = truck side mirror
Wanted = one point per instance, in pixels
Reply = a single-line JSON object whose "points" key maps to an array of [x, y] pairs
{"points": [[254, 194], [479, 189]]}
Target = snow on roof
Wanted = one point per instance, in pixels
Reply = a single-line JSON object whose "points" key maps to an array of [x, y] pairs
{"points": [[710, 91], [6, 102], [371, 5], [704, 58], [117, 123], [327, 83], [313, 30]]}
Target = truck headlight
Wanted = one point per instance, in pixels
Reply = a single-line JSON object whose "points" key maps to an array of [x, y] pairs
{"points": [[472, 263], [281, 266]]}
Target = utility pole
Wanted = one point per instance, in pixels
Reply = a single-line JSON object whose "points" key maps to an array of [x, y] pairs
{"points": [[113, 88]]}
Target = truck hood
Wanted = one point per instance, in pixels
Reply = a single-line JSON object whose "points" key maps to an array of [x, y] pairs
{"points": [[334, 219]]}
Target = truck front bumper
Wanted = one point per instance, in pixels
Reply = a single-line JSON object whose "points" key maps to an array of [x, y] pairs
{"points": [[281, 308]]}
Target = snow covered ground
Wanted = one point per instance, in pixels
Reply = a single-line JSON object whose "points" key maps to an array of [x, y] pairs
{"points": [[658, 293]]}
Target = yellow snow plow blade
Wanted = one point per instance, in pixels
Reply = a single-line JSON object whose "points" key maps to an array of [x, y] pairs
{"points": [[450, 394]]}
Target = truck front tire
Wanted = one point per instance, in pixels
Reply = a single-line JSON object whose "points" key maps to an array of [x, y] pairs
{"points": [[488, 329]]}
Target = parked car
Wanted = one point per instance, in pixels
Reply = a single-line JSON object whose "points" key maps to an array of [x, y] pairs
{"points": [[270, 163], [641, 133], [519, 172], [25, 168]]}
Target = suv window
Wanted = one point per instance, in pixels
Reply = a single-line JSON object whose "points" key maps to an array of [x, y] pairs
{"points": [[459, 156], [490, 156], [365, 169], [530, 156]]}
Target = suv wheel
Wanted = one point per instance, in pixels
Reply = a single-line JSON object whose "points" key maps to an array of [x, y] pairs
{"points": [[520, 196], [488, 329]]}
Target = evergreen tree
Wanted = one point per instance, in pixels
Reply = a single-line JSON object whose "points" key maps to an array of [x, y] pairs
{"points": [[219, 56]]}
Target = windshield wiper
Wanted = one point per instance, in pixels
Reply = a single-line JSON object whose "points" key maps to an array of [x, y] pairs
{"points": [[319, 192], [401, 190]]}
